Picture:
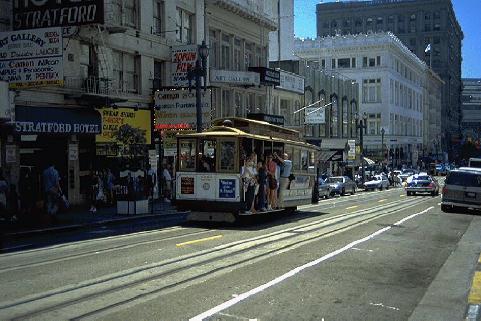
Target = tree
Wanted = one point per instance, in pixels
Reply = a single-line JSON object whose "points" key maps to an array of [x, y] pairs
{"points": [[132, 141]]}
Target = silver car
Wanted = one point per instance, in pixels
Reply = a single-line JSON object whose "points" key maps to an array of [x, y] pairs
{"points": [[462, 190], [378, 181], [324, 189], [341, 185]]}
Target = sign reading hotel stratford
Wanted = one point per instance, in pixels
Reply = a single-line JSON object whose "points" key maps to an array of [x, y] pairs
{"points": [[32, 58], [176, 109], [34, 14], [183, 58]]}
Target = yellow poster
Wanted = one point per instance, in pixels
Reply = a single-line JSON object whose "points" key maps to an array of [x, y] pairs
{"points": [[125, 126]]}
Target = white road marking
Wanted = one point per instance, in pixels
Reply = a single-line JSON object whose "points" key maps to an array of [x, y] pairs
{"points": [[297, 270], [358, 249], [384, 306]]}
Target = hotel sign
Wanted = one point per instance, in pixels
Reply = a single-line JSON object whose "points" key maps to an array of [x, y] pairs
{"points": [[32, 58], [243, 78], [34, 14]]}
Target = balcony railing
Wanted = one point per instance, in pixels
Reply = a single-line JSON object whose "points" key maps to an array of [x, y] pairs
{"points": [[102, 86]]}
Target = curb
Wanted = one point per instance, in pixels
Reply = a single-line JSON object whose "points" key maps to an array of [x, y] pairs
{"points": [[66, 228], [473, 311]]}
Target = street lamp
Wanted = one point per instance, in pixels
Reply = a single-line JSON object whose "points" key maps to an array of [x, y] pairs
{"points": [[383, 131], [197, 73], [361, 124]]}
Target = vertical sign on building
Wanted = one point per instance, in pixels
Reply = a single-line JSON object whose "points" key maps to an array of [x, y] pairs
{"points": [[183, 58]]}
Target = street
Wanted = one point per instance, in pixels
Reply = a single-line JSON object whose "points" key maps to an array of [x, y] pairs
{"points": [[371, 256]]}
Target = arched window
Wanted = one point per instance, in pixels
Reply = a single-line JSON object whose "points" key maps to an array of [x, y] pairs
{"points": [[334, 117], [353, 112], [345, 117]]}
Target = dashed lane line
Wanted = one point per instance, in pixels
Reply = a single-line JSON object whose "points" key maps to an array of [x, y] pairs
{"points": [[352, 207], [382, 201], [215, 237]]}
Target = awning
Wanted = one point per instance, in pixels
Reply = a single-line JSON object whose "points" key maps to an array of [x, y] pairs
{"points": [[330, 156], [369, 161], [57, 120]]}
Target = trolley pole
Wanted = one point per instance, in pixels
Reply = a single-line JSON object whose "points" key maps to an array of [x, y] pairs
{"points": [[196, 74]]}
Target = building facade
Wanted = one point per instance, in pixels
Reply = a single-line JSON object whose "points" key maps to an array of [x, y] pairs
{"points": [[471, 111], [432, 114], [417, 23], [390, 79], [111, 71]]}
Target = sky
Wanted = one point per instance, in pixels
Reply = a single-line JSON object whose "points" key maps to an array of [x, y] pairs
{"points": [[467, 13]]}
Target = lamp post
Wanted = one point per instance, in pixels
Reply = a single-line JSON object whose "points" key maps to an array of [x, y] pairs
{"points": [[197, 73], [383, 131], [361, 124]]}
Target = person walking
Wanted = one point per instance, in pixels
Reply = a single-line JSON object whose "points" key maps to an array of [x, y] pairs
{"points": [[167, 183], [52, 190]]}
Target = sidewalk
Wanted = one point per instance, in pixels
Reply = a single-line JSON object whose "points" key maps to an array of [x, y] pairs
{"points": [[77, 218]]}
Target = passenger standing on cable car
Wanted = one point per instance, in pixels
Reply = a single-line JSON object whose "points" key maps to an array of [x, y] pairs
{"points": [[262, 180], [285, 176], [248, 175], [271, 183]]}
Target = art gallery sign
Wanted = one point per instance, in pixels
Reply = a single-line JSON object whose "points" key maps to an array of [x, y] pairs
{"points": [[34, 14], [32, 58]]}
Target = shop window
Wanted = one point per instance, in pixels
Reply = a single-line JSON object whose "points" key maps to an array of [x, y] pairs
{"points": [[227, 156], [187, 152]]}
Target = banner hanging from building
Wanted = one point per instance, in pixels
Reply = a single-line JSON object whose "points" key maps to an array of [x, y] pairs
{"points": [[125, 126], [315, 115], [176, 109], [32, 58], [34, 14], [183, 58]]}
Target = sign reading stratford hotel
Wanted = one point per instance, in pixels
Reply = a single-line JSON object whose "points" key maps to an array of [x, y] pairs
{"points": [[31, 58], [176, 109], [33, 14]]}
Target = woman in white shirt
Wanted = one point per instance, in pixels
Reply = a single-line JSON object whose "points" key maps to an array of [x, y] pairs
{"points": [[249, 175]]}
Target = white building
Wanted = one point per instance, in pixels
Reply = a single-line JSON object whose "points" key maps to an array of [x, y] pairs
{"points": [[391, 80]]}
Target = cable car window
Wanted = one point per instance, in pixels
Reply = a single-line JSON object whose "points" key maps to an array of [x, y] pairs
{"points": [[227, 156], [312, 162], [187, 150], [304, 160], [207, 156], [296, 158]]}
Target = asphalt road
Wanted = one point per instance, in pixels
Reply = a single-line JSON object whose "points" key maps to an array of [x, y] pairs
{"points": [[371, 256]]}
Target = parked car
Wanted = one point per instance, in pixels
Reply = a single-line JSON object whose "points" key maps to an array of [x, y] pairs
{"points": [[406, 173], [341, 185], [324, 189], [462, 190], [378, 181], [422, 183]]}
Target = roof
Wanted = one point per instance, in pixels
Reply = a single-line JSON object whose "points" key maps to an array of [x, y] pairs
{"points": [[223, 131]]}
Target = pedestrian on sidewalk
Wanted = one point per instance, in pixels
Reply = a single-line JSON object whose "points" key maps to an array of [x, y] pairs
{"points": [[3, 197], [95, 190], [167, 178], [51, 184]]}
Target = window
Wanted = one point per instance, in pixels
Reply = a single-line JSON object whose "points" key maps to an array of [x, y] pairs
{"points": [[372, 62], [226, 103], [130, 12], [333, 63], [206, 161], [353, 119], [437, 27], [157, 81], [304, 160], [237, 54], [344, 63], [125, 68], [378, 60], [227, 155], [239, 111], [379, 21], [437, 15], [214, 46], [322, 127], [323, 63], [427, 27], [187, 152], [353, 62], [249, 55], [184, 26], [345, 119], [364, 62], [159, 18], [436, 40], [358, 23], [371, 91], [225, 52], [334, 117]]}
